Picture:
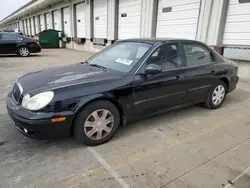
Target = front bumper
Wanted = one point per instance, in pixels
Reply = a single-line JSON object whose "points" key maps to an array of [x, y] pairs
{"points": [[38, 125]]}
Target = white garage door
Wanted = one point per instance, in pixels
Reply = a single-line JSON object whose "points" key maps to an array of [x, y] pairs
{"points": [[57, 20], [80, 21], [24, 27], [32, 26], [66, 22], [42, 22], [21, 26], [129, 19], [28, 26], [36, 25], [178, 18], [48, 21], [237, 29], [100, 18]]}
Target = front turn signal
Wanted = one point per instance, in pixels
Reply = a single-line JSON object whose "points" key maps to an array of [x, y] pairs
{"points": [[59, 119]]}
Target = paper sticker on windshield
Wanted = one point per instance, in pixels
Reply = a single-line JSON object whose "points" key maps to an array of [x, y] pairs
{"points": [[124, 61]]}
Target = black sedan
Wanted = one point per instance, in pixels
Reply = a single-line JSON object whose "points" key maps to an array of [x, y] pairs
{"points": [[12, 43], [129, 80]]}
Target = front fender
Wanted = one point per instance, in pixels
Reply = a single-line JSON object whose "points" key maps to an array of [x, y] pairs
{"points": [[87, 99]]}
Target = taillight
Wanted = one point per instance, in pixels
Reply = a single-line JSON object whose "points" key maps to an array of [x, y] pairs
{"points": [[36, 41]]}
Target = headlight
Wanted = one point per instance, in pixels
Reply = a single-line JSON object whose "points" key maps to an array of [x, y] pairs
{"points": [[38, 101]]}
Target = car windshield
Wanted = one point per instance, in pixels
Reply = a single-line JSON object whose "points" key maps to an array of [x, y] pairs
{"points": [[121, 57]]}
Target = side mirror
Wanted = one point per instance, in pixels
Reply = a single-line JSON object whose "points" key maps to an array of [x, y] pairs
{"points": [[153, 69]]}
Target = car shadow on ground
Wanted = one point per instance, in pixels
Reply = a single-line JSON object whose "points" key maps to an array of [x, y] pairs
{"points": [[155, 122], [237, 96]]}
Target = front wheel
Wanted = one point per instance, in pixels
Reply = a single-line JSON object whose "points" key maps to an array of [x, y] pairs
{"points": [[23, 51], [97, 123], [216, 95]]}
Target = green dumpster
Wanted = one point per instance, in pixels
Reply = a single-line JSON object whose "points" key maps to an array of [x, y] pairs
{"points": [[49, 38]]}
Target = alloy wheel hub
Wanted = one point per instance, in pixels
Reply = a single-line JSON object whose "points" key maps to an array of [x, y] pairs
{"points": [[99, 124], [218, 95]]}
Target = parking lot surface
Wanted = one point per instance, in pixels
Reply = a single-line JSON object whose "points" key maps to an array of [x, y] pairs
{"points": [[188, 148]]}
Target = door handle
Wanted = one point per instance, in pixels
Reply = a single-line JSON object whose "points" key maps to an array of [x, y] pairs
{"points": [[179, 77]]}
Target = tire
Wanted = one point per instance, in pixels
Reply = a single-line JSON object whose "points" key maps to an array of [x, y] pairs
{"points": [[87, 121], [23, 51], [214, 103]]}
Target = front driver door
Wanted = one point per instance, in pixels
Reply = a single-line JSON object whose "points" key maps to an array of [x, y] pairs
{"points": [[156, 92]]}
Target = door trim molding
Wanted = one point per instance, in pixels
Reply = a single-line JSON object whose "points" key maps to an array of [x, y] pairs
{"points": [[159, 97]]}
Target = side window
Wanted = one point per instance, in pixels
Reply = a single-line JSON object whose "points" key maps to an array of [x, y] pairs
{"points": [[167, 56], [196, 55], [0, 36], [6, 36]]}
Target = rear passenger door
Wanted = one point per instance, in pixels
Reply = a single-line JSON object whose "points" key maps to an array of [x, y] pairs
{"points": [[198, 71], [9, 43]]}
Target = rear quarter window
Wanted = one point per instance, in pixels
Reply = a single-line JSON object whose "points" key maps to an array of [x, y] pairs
{"points": [[7, 36]]}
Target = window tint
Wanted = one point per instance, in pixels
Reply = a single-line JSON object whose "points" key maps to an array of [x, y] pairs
{"points": [[167, 56], [196, 55], [6, 36]]}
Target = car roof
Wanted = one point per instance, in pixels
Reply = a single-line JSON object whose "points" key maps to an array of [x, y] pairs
{"points": [[155, 40], [12, 33], [8, 30]]}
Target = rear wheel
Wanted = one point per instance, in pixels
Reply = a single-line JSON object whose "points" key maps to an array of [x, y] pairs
{"points": [[23, 51], [216, 95], [97, 123]]}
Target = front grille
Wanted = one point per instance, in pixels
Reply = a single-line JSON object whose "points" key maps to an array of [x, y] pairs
{"points": [[17, 92]]}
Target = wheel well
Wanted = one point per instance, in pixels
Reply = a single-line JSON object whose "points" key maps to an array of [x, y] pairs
{"points": [[117, 105], [23, 46], [226, 81]]}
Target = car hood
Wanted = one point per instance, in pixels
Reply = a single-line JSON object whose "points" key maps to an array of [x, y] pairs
{"points": [[63, 76]]}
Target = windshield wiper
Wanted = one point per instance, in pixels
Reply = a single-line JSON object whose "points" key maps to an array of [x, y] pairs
{"points": [[98, 66]]}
